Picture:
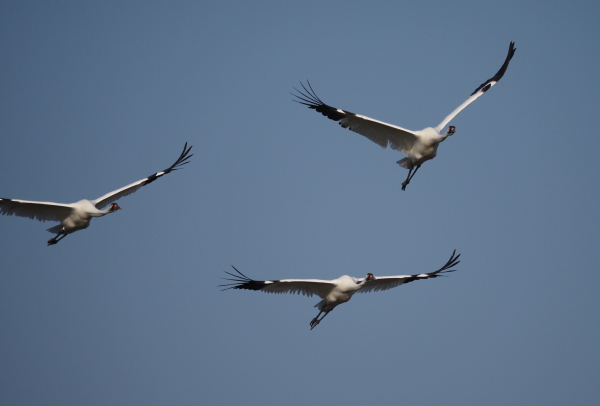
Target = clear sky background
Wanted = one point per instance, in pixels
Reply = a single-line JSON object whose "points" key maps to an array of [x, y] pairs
{"points": [[95, 95]]}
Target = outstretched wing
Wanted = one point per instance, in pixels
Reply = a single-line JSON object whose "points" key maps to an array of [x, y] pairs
{"points": [[389, 282], [379, 132], [42, 211], [306, 287], [129, 189], [485, 86]]}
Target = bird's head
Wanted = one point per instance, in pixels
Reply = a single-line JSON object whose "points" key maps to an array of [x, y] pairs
{"points": [[370, 277], [114, 207], [451, 130]]}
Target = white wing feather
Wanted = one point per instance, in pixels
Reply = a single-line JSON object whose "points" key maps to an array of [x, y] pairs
{"points": [[42, 211], [379, 132], [450, 116], [388, 282], [306, 287], [110, 197]]}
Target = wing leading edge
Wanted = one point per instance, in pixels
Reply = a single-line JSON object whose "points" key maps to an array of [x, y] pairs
{"points": [[110, 197]]}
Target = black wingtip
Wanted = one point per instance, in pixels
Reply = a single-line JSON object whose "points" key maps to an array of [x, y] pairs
{"points": [[308, 98], [237, 281], [244, 276], [241, 281], [182, 160], [487, 84], [452, 262]]}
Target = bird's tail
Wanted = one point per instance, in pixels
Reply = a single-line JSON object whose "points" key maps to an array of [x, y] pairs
{"points": [[320, 305], [55, 229], [405, 163]]}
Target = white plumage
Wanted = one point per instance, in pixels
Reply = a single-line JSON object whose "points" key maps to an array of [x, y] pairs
{"points": [[419, 146], [334, 292], [77, 216]]}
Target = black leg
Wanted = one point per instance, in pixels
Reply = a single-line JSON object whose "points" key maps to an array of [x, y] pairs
{"points": [[418, 166], [316, 320], [411, 174], [407, 181], [63, 236], [54, 240]]}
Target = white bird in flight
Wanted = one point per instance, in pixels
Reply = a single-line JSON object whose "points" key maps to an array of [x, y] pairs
{"points": [[334, 292], [77, 216], [419, 146]]}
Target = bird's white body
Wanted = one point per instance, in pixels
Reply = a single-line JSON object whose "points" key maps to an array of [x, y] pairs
{"points": [[425, 148], [82, 213], [341, 291]]}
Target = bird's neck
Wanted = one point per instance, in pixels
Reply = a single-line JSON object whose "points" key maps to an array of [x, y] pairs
{"points": [[102, 212], [432, 136], [444, 136]]}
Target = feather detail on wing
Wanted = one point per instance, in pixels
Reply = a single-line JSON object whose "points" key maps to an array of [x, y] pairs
{"points": [[306, 287], [390, 282], [42, 211], [484, 87], [102, 201], [379, 132]]}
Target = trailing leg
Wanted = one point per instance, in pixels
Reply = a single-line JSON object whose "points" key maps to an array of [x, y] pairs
{"points": [[54, 240], [411, 174], [407, 181], [316, 320]]}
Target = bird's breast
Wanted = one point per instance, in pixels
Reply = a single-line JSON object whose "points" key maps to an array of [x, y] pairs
{"points": [[424, 152], [336, 297]]}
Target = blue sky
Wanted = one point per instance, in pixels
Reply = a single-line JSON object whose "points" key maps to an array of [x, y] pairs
{"points": [[94, 96]]}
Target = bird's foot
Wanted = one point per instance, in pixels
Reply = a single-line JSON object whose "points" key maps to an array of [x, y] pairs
{"points": [[314, 323], [52, 241], [404, 185]]}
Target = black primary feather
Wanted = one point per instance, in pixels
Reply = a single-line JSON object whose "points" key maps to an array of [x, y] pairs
{"points": [[309, 98], [500, 73], [241, 281], [182, 160], [453, 261]]}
